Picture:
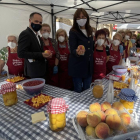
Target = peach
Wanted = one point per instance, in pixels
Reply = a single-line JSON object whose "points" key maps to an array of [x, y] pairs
{"points": [[113, 121], [102, 114], [82, 118], [94, 107], [111, 111], [93, 119], [123, 129], [48, 51], [102, 130], [118, 106], [125, 118], [105, 106], [81, 47], [90, 131]]}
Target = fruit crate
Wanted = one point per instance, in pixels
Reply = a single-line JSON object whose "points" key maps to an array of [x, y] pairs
{"points": [[135, 129]]}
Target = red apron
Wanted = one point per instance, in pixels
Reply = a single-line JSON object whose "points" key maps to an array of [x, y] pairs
{"points": [[52, 79], [64, 80], [15, 64], [99, 64], [126, 49], [114, 59]]}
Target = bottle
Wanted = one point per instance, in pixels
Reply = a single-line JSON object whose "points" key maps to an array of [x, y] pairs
{"points": [[110, 92]]}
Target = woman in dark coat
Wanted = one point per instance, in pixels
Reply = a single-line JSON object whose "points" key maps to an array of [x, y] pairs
{"points": [[81, 58]]}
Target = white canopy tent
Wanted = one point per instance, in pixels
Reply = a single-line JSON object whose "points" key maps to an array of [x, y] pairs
{"points": [[14, 14]]}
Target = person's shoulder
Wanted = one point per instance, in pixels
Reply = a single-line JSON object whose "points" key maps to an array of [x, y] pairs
{"points": [[53, 40], [26, 31]]}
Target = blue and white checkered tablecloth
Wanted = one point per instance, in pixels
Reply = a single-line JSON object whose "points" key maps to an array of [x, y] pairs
{"points": [[15, 121]]}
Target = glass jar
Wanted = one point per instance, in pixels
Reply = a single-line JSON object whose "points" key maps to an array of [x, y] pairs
{"points": [[10, 98], [128, 105], [9, 94], [97, 90], [56, 109], [57, 121]]}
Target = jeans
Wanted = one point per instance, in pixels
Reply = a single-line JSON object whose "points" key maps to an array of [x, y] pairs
{"points": [[81, 84]]}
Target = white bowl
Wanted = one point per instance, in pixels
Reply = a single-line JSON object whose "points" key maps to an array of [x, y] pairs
{"points": [[119, 70], [133, 59]]}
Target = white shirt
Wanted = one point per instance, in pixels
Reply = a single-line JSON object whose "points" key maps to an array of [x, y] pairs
{"points": [[84, 31], [36, 34]]}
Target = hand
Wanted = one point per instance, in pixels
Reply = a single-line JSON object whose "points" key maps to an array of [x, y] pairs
{"points": [[55, 69], [80, 52], [45, 55]]}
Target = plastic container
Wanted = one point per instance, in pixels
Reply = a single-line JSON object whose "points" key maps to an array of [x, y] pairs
{"points": [[119, 70], [9, 94], [34, 89], [57, 114]]}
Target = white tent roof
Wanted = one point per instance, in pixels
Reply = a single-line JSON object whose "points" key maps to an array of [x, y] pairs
{"points": [[14, 14]]}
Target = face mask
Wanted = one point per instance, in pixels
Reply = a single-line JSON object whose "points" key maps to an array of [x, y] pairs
{"points": [[133, 41], [126, 37], [36, 27], [93, 33], [12, 45], [61, 38], [100, 42], [116, 42], [46, 35], [107, 36], [81, 22]]}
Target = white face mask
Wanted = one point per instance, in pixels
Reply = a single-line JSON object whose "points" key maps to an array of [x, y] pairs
{"points": [[126, 37], [93, 33], [81, 22], [100, 42], [106, 36], [61, 38], [46, 35], [116, 42], [12, 45]]}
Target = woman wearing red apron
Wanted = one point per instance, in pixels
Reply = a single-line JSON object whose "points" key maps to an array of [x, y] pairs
{"points": [[100, 56], [115, 56], [64, 80], [128, 43], [14, 63], [52, 62]]}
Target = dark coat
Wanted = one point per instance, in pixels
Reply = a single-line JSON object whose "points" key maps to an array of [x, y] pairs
{"points": [[80, 66], [29, 48]]}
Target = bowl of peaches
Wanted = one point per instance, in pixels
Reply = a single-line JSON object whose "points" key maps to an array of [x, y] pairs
{"points": [[33, 86]]}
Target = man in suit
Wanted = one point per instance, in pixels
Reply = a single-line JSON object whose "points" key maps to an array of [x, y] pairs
{"points": [[30, 47]]}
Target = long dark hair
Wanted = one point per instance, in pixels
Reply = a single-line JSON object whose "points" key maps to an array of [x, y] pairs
{"points": [[75, 26]]}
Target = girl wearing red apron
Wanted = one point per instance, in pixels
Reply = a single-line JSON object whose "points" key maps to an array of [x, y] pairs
{"points": [[115, 56], [128, 43], [9, 54], [100, 56], [64, 80], [52, 62]]}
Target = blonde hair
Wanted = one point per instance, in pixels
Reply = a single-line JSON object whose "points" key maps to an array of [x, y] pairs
{"points": [[128, 31], [16, 37], [118, 34], [59, 31], [45, 25], [121, 31]]}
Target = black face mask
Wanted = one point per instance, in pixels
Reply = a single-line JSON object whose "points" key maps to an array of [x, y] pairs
{"points": [[36, 27]]}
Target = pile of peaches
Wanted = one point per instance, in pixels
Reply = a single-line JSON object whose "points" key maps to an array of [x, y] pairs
{"points": [[105, 120]]}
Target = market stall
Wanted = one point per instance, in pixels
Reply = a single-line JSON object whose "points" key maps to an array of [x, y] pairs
{"points": [[15, 121]]}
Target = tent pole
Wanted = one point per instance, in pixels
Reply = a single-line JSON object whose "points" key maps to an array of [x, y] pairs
{"points": [[54, 26], [52, 14], [96, 24]]}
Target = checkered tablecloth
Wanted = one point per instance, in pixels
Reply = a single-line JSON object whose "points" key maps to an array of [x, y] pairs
{"points": [[15, 121]]}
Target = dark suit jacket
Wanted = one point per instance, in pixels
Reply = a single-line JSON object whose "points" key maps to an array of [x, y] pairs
{"points": [[29, 48], [80, 66]]}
